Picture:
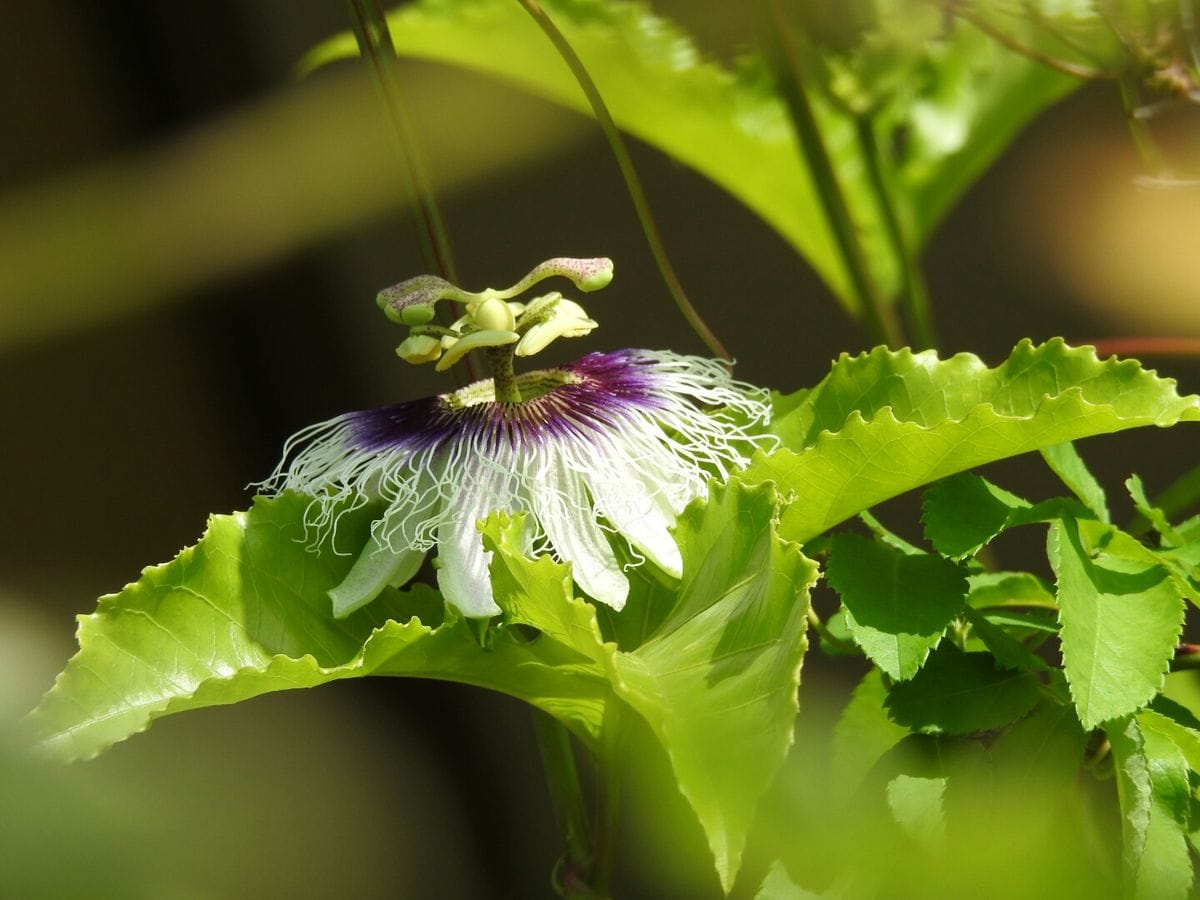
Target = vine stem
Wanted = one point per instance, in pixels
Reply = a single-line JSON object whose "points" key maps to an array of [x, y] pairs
{"points": [[376, 47], [914, 294], [878, 318], [575, 871], [825, 634], [633, 184], [608, 799]]}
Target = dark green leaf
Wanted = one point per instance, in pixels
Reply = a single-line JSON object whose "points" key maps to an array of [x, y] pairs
{"points": [[1042, 752], [897, 604], [963, 512], [1007, 649], [960, 693]]}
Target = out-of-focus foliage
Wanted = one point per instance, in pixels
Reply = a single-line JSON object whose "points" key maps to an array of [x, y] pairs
{"points": [[941, 103], [239, 192]]}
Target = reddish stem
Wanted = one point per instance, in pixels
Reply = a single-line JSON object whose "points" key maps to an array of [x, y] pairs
{"points": [[1147, 346]]}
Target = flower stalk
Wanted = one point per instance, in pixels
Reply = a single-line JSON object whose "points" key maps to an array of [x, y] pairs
{"points": [[504, 379]]}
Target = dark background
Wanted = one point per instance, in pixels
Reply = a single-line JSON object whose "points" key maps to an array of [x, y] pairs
{"points": [[134, 409]]}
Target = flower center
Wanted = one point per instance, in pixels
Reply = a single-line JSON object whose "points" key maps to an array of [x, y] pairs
{"points": [[494, 322], [530, 386]]}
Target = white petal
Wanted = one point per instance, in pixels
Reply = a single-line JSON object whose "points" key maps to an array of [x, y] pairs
{"points": [[376, 567], [565, 513], [635, 504], [463, 576]]}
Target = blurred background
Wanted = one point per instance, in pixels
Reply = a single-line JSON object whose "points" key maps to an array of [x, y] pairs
{"points": [[191, 239]]}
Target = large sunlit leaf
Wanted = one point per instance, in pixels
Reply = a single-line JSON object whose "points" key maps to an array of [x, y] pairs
{"points": [[885, 422], [1121, 614], [964, 97], [717, 681], [244, 612]]}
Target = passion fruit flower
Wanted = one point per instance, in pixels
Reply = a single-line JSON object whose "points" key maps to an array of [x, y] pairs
{"points": [[614, 444]]}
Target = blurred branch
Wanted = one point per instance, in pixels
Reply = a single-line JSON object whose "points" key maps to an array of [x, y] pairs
{"points": [[238, 193], [1146, 346], [375, 45], [782, 36], [914, 294]]}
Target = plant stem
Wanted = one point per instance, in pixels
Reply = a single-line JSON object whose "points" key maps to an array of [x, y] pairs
{"points": [[376, 47], [825, 634], [1139, 131], [608, 796], [914, 294], [877, 316], [632, 183], [575, 870]]}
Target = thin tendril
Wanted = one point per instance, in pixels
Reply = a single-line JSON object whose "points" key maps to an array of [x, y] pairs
{"points": [[632, 183]]}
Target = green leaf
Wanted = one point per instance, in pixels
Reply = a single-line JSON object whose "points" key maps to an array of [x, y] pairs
{"points": [[1155, 797], [778, 885], [991, 590], [1068, 465], [1156, 517], [863, 734], [916, 805], [897, 604], [963, 512], [245, 612], [1043, 752], [968, 98], [717, 682], [885, 422], [539, 592], [1178, 725], [1007, 649], [1121, 615], [960, 693]]}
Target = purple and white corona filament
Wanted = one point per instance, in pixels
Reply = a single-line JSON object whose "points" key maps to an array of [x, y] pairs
{"points": [[612, 444]]}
